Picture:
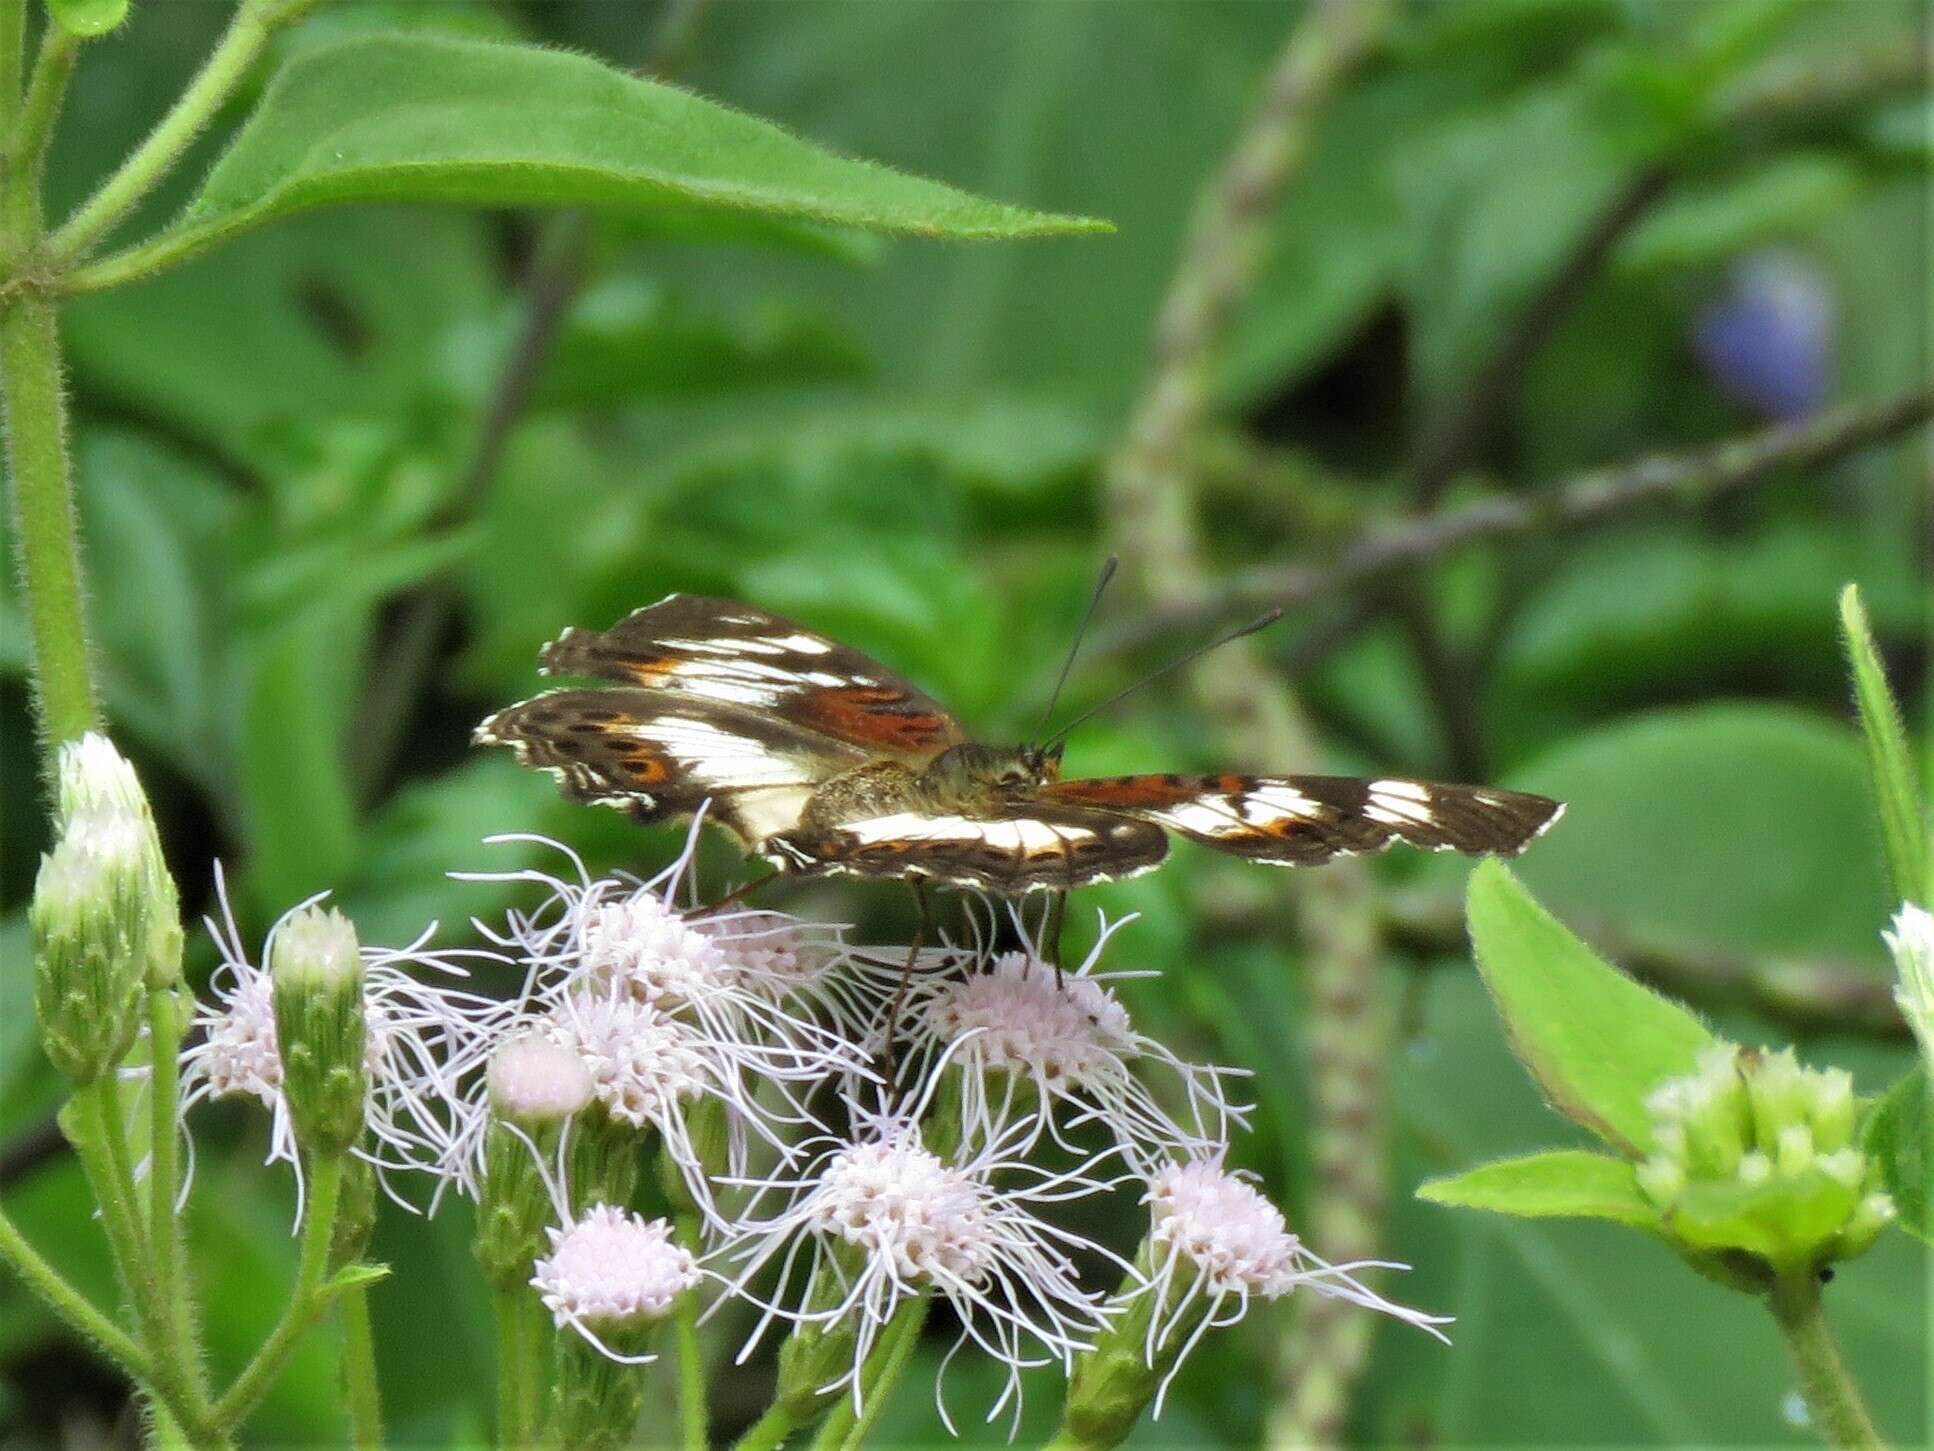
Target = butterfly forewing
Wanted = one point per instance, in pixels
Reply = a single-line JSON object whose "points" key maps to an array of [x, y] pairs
{"points": [[730, 653], [1307, 820]]}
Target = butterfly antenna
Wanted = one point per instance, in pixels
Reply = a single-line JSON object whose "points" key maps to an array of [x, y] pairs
{"points": [[1108, 568], [1261, 622]]}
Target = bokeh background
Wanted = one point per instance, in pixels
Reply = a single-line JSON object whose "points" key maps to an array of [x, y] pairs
{"points": [[327, 535]]}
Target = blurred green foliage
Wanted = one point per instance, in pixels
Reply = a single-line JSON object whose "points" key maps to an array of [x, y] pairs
{"points": [[900, 444]]}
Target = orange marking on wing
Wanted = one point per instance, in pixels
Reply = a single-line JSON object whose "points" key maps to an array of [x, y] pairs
{"points": [[866, 713], [1124, 793]]}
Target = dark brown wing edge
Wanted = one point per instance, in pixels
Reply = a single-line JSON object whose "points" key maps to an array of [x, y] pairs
{"points": [[1308, 820]]}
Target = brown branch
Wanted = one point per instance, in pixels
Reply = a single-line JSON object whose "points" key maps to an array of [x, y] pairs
{"points": [[1448, 443], [1805, 995], [1589, 500], [1783, 90]]}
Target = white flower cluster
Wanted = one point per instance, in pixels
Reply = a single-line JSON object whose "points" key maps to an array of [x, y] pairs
{"points": [[837, 1168]]}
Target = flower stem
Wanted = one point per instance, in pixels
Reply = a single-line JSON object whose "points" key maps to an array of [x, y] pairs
{"points": [[1825, 1382], [43, 515], [361, 1390], [845, 1428], [27, 146], [174, 1312], [255, 21], [519, 1347], [69, 1303], [769, 1432], [305, 1301], [691, 1376]]}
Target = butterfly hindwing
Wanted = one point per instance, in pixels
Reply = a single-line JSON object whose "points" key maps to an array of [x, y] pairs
{"points": [[661, 755], [1305, 820], [736, 655], [1039, 846]]}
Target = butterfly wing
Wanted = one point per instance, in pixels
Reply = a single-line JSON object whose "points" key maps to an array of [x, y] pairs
{"points": [[733, 654], [1039, 846], [659, 754], [1306, 820]]}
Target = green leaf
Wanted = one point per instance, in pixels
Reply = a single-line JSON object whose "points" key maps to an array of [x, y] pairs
{"points": [[1900, 1130], [1728, 825], [355, 1277], [87, 18], [427, 118], [1597, 1042], [1564, 1183], [1903, 822]]}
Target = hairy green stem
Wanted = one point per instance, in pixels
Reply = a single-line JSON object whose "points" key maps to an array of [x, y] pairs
{"points": [[361, 1390], [693, 1423], [306, 1301], [519, 1347], [769, 1432], [174, 1312], [255, 21], [845, 1428], [1831, 1395], [69, 1303], [100, 1140], [46, 540], [13, 54], [27, 145]]}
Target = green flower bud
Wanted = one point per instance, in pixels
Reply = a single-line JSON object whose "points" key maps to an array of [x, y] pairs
{"points": [[321, 1028], [97, 787], [1754, 1164], [536, 1085], [88, 920]]}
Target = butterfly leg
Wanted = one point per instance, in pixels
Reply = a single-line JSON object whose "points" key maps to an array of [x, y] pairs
{"points": [[920, 931], [712, 908], [1051, 924]]}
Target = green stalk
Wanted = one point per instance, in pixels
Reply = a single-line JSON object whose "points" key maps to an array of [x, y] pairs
{"points": [[691, 1376], [360, 1387], [70, 1304], [27, 145], [519, 1351], [844, 1428], [305, 1301], [903, 1337], [1829, 1389], [99, 1137], [43, 517], [769, 1432], [233, 56], [173, 1309], [13, 54]]}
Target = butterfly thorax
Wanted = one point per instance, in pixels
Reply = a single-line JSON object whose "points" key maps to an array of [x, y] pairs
{"points": [[965, 780]]}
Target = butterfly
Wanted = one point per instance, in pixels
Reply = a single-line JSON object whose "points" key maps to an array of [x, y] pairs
{"points": [[824, 762]]}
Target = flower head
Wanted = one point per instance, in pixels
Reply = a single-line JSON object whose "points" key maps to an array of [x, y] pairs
{"points": [[610, 1272], [669, 1012], [422, 1037], [1214, 1244], [883, 1219], [1752, 1151], [1025, 1039]]}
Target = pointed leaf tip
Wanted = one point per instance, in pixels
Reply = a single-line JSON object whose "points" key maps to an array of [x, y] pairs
{"points": [[1564, 1183], [1596, 1041]]}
